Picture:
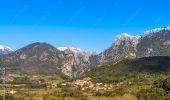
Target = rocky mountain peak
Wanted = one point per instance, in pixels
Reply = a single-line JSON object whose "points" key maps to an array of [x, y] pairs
{"points": [[123, 36], [76, 51], [123, 47], [156, 30], [39, 44], [126, 38], [38, 47], [155, 42], [5, 47], [5, 50]]}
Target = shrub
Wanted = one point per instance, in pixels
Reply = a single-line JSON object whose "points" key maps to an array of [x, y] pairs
{"points": [[151, 94], [23, 80]]}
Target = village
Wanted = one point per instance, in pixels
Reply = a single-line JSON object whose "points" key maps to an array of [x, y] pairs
{"points": [[87, 85]]}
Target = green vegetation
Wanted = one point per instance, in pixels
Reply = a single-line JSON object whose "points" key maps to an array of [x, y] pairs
{"points": [[67, 92], [136, 79], [22, 80], [146, 78], [129, 68]]}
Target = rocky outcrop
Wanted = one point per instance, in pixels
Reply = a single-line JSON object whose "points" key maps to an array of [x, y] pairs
{"points": [[76, 61], [123, 47], [155, 42]]}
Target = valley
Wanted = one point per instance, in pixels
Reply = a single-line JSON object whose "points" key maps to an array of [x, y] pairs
{"points": [[132, 68]]}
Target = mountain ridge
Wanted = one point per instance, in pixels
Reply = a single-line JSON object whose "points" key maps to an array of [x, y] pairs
{"points": [[42, 57], [155, 42]]}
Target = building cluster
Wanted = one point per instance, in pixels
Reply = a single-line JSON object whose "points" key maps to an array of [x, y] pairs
{"points": [[87, 85]]}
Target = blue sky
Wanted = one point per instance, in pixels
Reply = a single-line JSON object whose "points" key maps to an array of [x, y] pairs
{"points": [[87, 24]]}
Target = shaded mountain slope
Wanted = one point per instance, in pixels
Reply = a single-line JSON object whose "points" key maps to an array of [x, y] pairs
{"points": [[44, 58], [35, 58]]}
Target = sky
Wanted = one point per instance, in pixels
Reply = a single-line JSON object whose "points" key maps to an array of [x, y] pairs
{"points": [[91, 25]]}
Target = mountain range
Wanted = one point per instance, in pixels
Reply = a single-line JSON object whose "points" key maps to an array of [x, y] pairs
{"points": [[47, 59], [154, 42]]}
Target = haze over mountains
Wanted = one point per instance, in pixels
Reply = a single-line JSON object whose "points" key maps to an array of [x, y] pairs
{"points": [[46, 59]]}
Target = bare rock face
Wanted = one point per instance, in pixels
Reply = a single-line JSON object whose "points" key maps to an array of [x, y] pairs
{"points": [[123, 47], [155, 42], [76, 61]]}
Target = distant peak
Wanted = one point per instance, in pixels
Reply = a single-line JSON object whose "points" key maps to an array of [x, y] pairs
{"points": [[150, 32], [76, 51], [5, 50], [2, 47], [69, 48], [62, 48]]}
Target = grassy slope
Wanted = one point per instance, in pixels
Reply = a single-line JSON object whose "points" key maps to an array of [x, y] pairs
{"points": [[129, 67], [146, 78]]}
